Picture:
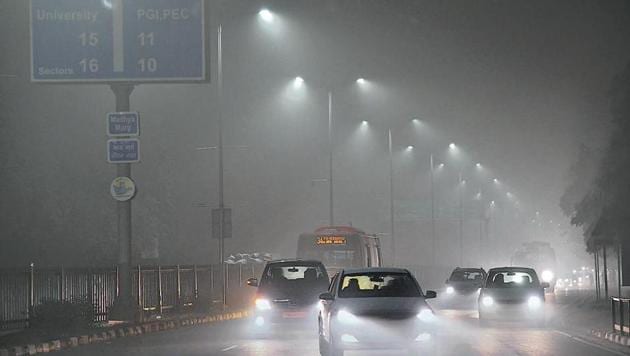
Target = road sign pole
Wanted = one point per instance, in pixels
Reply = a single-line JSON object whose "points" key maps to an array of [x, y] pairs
{"points": [[124, 307]]}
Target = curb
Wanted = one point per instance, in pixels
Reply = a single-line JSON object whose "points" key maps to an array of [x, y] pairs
{"points": [[613, 337], [120, 332]]}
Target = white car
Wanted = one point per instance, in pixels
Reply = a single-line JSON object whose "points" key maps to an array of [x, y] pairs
{"points": [[374, 308]]}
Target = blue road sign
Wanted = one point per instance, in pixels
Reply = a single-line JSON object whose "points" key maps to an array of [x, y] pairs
{"points": [[123, 124], [124, 150], [118, 40]]}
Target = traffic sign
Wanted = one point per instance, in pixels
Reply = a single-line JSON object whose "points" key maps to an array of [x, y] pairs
{"points": [[227, 223], [122, 188], [123, 124], [125, 150], [118, 40]]}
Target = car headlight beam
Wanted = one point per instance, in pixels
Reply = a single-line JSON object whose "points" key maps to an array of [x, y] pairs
{"points": [[426, 315], [547, 276], [346, 317], [487, 301], [263, 304], [534, 302], [450, 290]]}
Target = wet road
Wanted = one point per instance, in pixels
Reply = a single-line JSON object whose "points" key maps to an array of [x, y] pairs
{"points": [[460, 335]]}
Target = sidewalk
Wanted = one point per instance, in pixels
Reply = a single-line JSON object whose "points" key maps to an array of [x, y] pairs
{"points": [[581, 315]]}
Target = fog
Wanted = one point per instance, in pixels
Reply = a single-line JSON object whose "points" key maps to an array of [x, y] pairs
{"points": [[516, 85]]}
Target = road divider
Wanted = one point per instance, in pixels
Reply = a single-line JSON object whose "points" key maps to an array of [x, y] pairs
{"points": [[122, 331]]}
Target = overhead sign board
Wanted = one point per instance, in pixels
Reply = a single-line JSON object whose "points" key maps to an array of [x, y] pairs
{"points": [[122, 188], [123, 150], [123, 124], [227, 223], [118, 41]]}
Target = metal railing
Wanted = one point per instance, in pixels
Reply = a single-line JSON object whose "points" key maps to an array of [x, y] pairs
{"points": [[620, 310], [157, 289]]}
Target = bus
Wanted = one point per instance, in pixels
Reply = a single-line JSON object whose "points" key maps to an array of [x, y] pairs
{"points": [[340, 247]]}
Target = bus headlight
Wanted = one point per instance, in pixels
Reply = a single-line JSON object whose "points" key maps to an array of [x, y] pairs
{"points": [[547, 276], [263, 304], [534, 302], [487, 301]]}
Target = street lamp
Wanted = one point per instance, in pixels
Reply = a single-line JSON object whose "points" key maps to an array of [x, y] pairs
{"points": [[298, 82], [266, 15]]}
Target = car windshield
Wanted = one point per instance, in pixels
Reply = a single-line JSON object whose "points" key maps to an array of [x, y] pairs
{"points": [[466, 276], [512, 279], [377, 284], [293, 274]]}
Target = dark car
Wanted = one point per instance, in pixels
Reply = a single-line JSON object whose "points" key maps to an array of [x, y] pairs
{"points": [[512, 293], [465, 281], [374, 308], [288, 291]]}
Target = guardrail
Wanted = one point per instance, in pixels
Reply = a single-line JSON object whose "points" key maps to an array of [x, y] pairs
{"points": [[620, 310], [157, 289]]}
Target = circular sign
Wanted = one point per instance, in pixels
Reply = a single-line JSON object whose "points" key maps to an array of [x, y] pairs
{"points": [[122, 188]]}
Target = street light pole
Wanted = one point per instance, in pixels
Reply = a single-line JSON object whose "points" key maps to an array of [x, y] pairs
{"points": [[391, 195], [331, 218], [433, 237], [461, 219], [220, 149]]}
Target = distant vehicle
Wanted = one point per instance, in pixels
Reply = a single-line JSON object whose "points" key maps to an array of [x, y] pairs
{"points": [[288, 290], [512, 293], [465, 281], [539, 256], [340, 247], [374, 308]]}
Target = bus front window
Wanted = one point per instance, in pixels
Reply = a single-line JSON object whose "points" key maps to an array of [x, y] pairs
{"points": [[334, 257]]}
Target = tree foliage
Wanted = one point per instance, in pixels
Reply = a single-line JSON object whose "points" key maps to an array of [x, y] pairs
{"points": [[601, 207]]}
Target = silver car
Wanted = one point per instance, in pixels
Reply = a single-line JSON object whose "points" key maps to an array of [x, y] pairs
{"points": [[512, 293], [374, 308]]}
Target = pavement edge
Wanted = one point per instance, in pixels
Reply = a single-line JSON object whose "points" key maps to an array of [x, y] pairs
{"points": [[611, 336], [121, 332]]}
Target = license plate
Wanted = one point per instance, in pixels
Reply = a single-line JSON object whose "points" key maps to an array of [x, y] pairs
{"points": [[293, 315]]}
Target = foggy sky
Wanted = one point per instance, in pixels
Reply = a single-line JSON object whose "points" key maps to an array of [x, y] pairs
{"points": [[517, 84]]}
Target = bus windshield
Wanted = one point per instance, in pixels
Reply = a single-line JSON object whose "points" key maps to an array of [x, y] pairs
{"points": [[335, 256]]}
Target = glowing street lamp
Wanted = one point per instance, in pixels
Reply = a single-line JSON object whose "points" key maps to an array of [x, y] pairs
{"points": [[266, 15]]}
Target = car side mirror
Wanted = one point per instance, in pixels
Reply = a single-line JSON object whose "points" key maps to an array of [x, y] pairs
{"points": [[545, 285], [446, 282], [326, 296], [252, 282], [430, 294]]}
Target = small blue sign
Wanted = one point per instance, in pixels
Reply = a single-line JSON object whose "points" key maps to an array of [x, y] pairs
{"points": [[118, 40], [125, 150], [123, 124]]}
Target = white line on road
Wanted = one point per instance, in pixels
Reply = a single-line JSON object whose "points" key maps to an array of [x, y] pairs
{"points": [[229, 348], [592, 344]]}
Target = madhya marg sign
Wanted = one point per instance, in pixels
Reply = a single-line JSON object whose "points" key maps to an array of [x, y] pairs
{"points": [[118, 41]]}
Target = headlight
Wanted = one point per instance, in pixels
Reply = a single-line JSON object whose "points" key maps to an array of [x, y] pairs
{"points": [[487, 301], [534, 302], [346, 317], [263, 304], [450, 290], [426, 315], [547, 276]]}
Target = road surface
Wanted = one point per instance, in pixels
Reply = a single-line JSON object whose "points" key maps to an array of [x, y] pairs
{"points": [[460, 335]]}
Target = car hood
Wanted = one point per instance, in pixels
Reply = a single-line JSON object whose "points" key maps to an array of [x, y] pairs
{"points": [[295, 294], [511, 294], [383, 307], [459, 285]]}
